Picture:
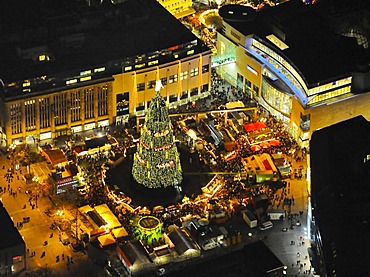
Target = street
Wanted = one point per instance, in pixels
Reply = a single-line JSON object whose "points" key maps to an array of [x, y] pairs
{"points": [[37, 230]]}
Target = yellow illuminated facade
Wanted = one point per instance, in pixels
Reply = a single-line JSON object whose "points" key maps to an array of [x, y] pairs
{"points": [[178, 8], [183, 80], [84, 102]]}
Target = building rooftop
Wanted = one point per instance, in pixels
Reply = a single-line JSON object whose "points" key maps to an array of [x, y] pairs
{"points": [[134, 253], [340, 170], [9, 235], [318, 53], [254, 259], [182, 241], [49, 43]]}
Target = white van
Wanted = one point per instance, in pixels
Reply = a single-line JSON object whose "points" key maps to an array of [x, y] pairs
{"points": [[266, 225]]}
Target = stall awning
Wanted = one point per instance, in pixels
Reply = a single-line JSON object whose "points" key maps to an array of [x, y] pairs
{"points": [[107, 239]]}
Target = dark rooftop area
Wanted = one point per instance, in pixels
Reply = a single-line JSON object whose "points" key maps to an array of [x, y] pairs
{"points": [[9, 235], [96, 142], [317, 52], [340, 170], [78, 37]]}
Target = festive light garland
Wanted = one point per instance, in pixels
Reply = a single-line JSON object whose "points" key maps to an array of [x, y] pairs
{"points": [[157, 161]]}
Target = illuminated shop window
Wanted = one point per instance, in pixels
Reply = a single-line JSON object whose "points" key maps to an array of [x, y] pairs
{"points": [[140, 107], [205, 68], [330, 95], [277, 99]]}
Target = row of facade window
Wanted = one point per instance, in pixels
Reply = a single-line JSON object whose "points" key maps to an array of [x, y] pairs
{"points": [[330, 95], [259, 46], [58, 107], [172, 79], [174, 97], [330, 86]]}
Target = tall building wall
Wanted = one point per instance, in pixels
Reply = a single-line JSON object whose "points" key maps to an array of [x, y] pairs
{"points": [[48, 115], [329, 114]]}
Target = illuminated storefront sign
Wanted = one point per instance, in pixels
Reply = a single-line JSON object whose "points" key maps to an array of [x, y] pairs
{"points": [[89, 126], [103, 123], [76, 129], [45, 136]]}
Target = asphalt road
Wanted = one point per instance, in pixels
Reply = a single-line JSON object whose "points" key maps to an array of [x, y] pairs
{"points": [[280, 242]]}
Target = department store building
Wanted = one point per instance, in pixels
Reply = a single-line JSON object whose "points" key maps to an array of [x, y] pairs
{"points": [[288, 59]]}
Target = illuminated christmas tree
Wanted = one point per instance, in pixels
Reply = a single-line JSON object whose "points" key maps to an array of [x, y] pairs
{"points": [[157, 161]]}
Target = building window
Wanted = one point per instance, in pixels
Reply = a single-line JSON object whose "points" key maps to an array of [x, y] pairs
{"points": [[173, 79], [89, 103], [240, 81], [151, 84], [140, 87], [249, 83], [30, 110], [103, 100], [305, 122], [184, 95], [16, 118], [205, 88], [277, 99], [122, 106], [173, 98], [75, 106], [44, 109], [255, 89], [183, 75], [205, 68], [193, 91], [60, 109], [194, 72]]}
